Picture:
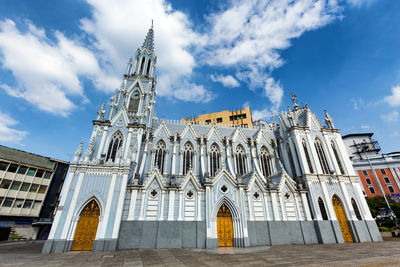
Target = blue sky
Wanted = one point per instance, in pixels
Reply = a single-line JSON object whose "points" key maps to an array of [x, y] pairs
{"points": [[58, 62]]}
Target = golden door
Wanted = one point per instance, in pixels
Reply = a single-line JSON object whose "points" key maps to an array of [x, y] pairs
{"points": [[341, 217], [224, 227], [87, 227]]}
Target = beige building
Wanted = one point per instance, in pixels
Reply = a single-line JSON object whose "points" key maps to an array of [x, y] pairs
{"points": [[29, 189], [237, 117]]}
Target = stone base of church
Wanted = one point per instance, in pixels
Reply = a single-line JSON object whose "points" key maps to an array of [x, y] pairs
{"points": [[162, 234], [192, 234]]}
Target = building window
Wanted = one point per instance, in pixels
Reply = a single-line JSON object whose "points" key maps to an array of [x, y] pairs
{"points": [[208, 121], [338, 161], [265, 160], [214, 159], [42, 189], [5, 184], [355, 208], [383, 171], [27, 204], [134, 102], [368, 181], [307, 156], [187, 157], [8, 202], [15, 185], [22, 169], [148, 67], [294, 174], [12, 168], [386, 180], [372, 190], [159, 156], [18, 203], [240, 160], [219, 120], [31, 171], [321, 156], [391, 189], [141, 71], [25, 187], [3, 165], [47, 175], [34, 188], [365, 173], [322, 209], [39, 173], [37, 204], [114, 146]]}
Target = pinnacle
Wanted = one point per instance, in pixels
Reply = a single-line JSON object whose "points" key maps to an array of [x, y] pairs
{"points": [[149, 40]]}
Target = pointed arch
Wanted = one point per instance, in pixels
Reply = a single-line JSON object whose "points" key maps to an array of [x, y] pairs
{"points": [[322, 209], [240, 159], [308, 159], [159, 159], [355, 208], [265, 162], [321, 156], [188, 154], [141, 71], [342, 219], [337, 157], [87, 226], [214, 157], [114, 145]]}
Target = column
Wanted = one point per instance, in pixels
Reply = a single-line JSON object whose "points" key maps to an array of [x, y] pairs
{"points": [[128, 143], [198, 206], [120, 206], [171, 205], [132, 205], [180, 217], [103, 138], [161, 215], [275, 206], [142, 206], [108, 205]]}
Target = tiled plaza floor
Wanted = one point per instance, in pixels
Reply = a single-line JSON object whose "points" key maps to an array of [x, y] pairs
{"points": [[366, 254]]}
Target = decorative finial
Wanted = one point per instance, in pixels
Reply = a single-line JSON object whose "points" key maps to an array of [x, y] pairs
{"points": [[294, 100]]}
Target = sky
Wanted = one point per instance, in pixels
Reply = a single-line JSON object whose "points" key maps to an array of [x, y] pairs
{"points": [[60, 60]]}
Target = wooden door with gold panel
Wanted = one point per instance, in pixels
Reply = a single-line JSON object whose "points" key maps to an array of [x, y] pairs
{"points": [[87, 227], [341, 217], [224, 227]]}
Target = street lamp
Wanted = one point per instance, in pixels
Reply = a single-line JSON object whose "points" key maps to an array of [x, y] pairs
{"points": [[364, 148]]}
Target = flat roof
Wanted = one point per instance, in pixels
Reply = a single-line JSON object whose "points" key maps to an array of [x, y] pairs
{"points": [[357, 134], [28, 158]]}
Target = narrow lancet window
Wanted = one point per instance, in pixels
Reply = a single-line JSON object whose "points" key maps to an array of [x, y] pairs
{"points": [[148, 67], [240, 160], [214, 158], [114, 145], [187, 157], [142, 66], [310, 167], [321, 156], [322, 209], [134, 102], [159, 156], [339, 162], [265, 162], [356, 210], [292, 166]]}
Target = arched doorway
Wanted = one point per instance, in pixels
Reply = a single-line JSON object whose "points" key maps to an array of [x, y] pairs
{"points": [[341, 217], [224, 227], [87, 227]]}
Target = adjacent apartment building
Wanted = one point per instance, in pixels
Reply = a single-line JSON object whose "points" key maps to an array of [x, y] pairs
{"points": [[29, 189], [237, 117], [384, 176]]}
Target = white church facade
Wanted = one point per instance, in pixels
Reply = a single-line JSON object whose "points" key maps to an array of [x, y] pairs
{"points": [[149, 183]]}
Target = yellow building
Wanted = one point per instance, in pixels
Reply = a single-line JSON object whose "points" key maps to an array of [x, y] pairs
{"points": [[237, 117]]}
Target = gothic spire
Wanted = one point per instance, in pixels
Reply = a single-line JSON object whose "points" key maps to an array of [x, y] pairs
{"points": [[149, 40]]}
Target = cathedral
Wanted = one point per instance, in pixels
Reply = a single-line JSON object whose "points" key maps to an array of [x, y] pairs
{"points": [[145, 182]]}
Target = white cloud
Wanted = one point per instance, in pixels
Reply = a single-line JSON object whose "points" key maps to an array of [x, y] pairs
{"points": [[227, 81], [117, 36], [8, 134], [46, 73], [390, 117], [365, 127], [273, 91], [357, 103], [394, 99], [250, 34], [358, 3]]}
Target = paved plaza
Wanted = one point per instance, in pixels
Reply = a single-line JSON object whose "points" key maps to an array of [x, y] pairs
{"points": [[366, 254]]}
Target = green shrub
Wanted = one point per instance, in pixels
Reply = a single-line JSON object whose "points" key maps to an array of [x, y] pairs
{"points": [[384, 229], [15, 236]]}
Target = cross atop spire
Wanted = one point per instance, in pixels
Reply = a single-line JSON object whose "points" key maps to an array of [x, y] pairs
{"points": [[149, 40], [294, 100]]}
